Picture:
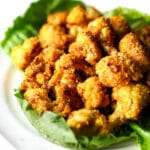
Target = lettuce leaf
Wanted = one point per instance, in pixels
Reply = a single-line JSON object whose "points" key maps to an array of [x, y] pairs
{"points": [[135, 18], [29, 23], [50, 124]]}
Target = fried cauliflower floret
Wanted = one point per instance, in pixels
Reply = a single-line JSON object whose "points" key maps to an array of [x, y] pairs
{"points": [[131, 46], [67, 99], [51, 54], [144, 36], [74, 30], [53, 35], [93, 93], [38, 99], [68, 61], [77, 16], [58, 18], [130, 100], [119, 25], [23, 54], [88, 122], [86, 47], [29, 82], [63, 83], [117, 70], [41, 67], [100, 28], [92, 13]]}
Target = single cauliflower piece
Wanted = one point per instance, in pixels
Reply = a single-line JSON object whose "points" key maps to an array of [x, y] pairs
{"points": [[131, 46], [38, 99], [88, 122], [117, 70], [93, 93], [23, 54], [130, 101]]}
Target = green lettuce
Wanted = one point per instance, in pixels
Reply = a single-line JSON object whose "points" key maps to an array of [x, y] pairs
{"points": [[52, 125]]}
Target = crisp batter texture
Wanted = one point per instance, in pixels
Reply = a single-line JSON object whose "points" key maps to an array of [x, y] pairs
{"points": [[92, 70]]}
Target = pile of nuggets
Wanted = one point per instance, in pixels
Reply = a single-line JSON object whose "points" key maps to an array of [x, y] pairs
{"points": [[92, 70]]}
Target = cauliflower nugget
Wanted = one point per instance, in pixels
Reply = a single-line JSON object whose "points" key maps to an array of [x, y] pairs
{"points": [[58, 18], [38, 99], [93, 93], [53, 35], [87, 47], [130, 100], [144, 36], [100, 28], [119, 25], [68, 61], [131, 46], [117, 70], [92, 13], [23, 54], [77, 16], [88, 122]]}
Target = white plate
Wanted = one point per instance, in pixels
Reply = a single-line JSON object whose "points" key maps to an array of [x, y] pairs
{"points": [[15, 130]]}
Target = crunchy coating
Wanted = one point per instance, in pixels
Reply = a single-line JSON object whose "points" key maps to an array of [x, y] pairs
{"points": [[58, 18], [130, 100], [77, 16], [144, 35], [119, 25], [92, 13], [93, 93], [88, 122], [53, 35], [131, 46], [68, 61], [86, 47], [100, 28], [38, 99], [23, 54], [117, 70]]}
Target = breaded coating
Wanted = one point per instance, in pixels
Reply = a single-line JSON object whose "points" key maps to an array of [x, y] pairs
{"points": [[130, 100], [93, 93], [86, 47], [29, 82], [58, 18], [144, 36], [67, 99], [100, 28], [77, 16], [117, 70], [74, 30], [131, 46], [53, 35], [23, 54], [64, 85], [119, 25], [92, 13], [70, 61], [88, 122], [42, 66], [38, 99]]}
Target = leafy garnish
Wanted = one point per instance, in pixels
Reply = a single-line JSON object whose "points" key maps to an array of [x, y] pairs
{"points": [[135, 18]]}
